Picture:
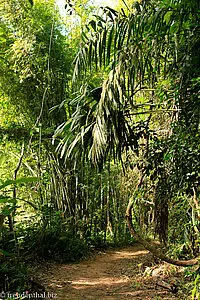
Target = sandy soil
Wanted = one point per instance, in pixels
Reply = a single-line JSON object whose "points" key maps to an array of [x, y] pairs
{"points": [[128, 273]]}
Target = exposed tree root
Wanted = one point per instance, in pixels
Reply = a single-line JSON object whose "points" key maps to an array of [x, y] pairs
{"points": [[151, 248]]}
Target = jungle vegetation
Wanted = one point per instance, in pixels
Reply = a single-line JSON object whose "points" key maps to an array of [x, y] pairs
{"points": [[99, 129]]}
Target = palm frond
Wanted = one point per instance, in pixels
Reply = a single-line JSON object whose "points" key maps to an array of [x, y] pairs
{"points": [[127, 48]]}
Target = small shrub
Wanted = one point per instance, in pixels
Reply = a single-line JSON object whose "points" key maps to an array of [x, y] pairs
{"points": [[64, 247], [13, 276]]}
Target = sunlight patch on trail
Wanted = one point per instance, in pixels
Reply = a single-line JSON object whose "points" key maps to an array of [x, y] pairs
{"points": [[125, 254], [99, 281]]}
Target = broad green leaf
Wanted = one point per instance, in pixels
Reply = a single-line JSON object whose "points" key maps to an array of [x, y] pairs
{"points": [[2, 158], [18, 181], [5, 252], [6, 199]]}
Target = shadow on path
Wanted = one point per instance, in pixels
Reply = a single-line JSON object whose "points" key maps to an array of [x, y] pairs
{"points": [[113, 274]]}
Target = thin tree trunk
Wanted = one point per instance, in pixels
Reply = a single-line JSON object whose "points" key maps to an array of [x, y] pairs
{"points": [[147, 245]]}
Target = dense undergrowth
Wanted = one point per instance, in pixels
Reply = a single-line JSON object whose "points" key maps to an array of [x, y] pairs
{"points": [[33, 245]]}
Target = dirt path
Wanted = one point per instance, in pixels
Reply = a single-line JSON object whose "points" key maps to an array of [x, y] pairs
{"points": [[113, 274]]}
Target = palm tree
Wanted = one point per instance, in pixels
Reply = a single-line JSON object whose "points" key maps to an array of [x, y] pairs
{"points": [[134, 52]]}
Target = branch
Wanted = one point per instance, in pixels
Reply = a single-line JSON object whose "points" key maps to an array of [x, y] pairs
{"points": [[156, 252], [196, 202], [147, 245], [171, 287]]}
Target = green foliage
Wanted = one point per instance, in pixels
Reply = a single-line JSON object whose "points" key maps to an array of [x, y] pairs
{"points": [[10, 203], [18, 181], [54, 242], [134, 98], [147, 104], [195, 291], [13, 276], [61, 246], [39, 61], [64, 207], [130, 51]]}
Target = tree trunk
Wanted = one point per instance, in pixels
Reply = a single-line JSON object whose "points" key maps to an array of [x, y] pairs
{"points": [[149, 247]]}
